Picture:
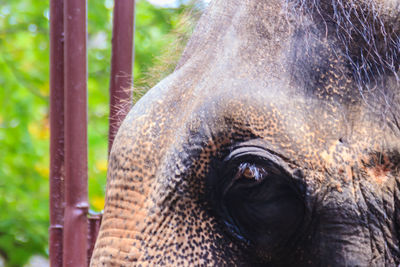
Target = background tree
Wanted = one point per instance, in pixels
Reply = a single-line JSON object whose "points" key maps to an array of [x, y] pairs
{"points": [[24, 93]]}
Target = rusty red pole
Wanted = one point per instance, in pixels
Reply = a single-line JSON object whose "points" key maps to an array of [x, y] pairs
{"points": [[56, 132], [94, 221], [121, 65], [76, 208]]}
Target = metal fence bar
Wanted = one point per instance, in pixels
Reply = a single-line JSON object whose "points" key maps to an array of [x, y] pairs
{"points": [[76, 193], [56, 132], [121, 64], [120, 86], [72, 230], [94, 227]]}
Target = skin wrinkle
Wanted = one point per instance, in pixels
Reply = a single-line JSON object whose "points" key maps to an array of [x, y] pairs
{"points": [[382, 220], [276, 75], [358, 204], [396, 204], [369, 223]]}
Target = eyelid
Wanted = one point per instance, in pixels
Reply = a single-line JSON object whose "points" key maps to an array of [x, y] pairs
{"points": [[254, 152], [243, 151], [263, 149]]}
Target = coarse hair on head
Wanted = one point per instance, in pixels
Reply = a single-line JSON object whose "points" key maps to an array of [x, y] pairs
{"points": [[367, 34]]}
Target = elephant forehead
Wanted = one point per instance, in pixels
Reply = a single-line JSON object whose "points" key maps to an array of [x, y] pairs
{"points": [[300, 128], [311, 134]]}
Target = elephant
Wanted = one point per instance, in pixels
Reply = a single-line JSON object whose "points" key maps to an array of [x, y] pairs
{"points": [[275, 142]]}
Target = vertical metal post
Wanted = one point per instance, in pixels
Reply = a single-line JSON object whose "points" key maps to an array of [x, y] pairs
{"points": [[76, 193], [121, 65], [72, 234], [56, 132], [120, 86], [94, 227]]}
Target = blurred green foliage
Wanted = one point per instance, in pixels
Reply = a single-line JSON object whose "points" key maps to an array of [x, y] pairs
{"points": [[24, 118]]}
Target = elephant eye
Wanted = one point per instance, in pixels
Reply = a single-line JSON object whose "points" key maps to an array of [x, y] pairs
{"points": [[258, 202], [251, 172]]}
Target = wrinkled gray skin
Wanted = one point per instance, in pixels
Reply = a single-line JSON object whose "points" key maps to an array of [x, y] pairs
{"points": [[274, 143]]}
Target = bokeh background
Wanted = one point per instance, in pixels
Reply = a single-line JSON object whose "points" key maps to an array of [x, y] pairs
{"points": [[162, 29]]}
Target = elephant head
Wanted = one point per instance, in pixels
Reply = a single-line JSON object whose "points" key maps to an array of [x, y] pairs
{"points": [[274, 143]]}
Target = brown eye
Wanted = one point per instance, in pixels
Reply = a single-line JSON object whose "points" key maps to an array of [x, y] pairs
{"points": [[251, 171]]}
